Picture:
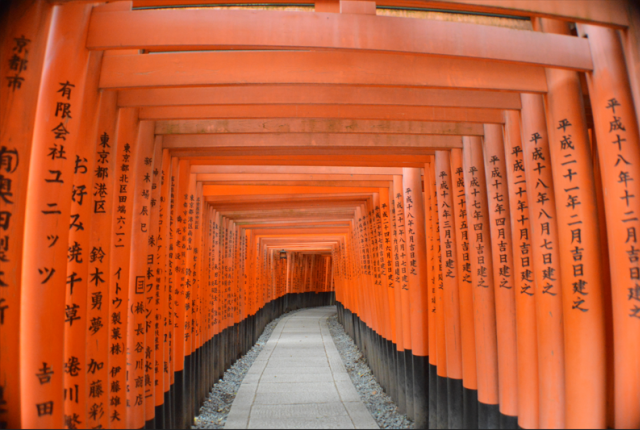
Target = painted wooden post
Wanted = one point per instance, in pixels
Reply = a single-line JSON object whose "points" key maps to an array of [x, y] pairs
{"points": [[440, 319], [452, 285], [482, 279], [158, 222], [467, 332], [75, 335], [401, 282], [527, 335], [546, 261], [417, 252], [397, 291], [25, 40], [179, 279], [386, 244], [576, 205], [99, 257], [139, 280], [502, 251], [46, 233], [618, 139], [126, 157], [431, 205]]}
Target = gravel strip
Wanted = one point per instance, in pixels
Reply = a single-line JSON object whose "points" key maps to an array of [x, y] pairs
{"points": [[214, 412], [379, 404]]}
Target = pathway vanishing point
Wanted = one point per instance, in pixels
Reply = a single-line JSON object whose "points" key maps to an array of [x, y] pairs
{"points": [[299, 381]]}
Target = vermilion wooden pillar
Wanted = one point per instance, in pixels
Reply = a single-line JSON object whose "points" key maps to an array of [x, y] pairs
{"points": [[78, 255], [190, 345], [179, 280], [546, 262], [583, 306], [158, 223], [467, 332], [452, 285], [140, 284], [431, 209], [394, 278], [527, 337], [169, 240], [47, 218], [98, 257], [440, 319], [501, 248], [401, 284], [482, 279], [25, 37], [126, 157], [383, 288], [619, 153], [417, 271], [386, 244]]}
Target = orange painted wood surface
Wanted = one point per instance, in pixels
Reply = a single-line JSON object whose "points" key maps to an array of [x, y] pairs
{"points": [[455, 186]]}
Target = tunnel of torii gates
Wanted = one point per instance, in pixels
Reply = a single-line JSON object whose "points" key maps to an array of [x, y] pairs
{"points": [[460, 177]]}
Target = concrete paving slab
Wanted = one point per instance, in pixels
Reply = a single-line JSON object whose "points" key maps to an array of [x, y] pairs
{"points": [[360, 416], [299, 398], [295, 387], [300, 423], [321, 410], [307, 378], [283, 370], [299, 381], [300, 361]]}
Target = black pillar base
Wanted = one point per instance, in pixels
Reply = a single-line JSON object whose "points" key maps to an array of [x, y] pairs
{"points": [[443, 404], [488, 416], [455, 403], [470, 408], [508, 422], [421, 392]]}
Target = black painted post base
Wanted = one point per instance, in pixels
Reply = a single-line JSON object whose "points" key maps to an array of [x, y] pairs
{"points": [[443, 404], [150, 424], [455, 403], [470, 408], [433, 396], [421, 391], [488, 416], [408, 357], [508, 422], [402, 386]]}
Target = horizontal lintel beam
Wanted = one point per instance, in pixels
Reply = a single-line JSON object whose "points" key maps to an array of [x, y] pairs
{"points": [[323, 112], [316, 94], [309, 140], [208, 29], [316, 67], [294, 170]]}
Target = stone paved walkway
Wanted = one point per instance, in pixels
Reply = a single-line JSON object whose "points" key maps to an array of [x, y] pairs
{"points": [[299, 381]]}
